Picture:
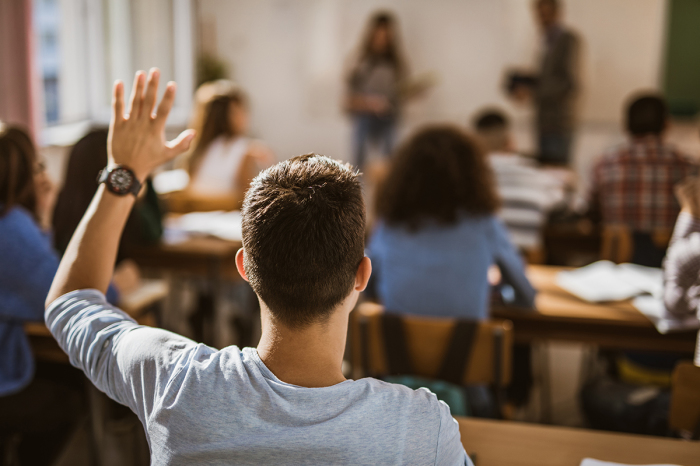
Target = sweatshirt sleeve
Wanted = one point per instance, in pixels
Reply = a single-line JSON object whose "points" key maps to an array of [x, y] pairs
{"points": [[682, 267], [512, 267], [131, 363]]}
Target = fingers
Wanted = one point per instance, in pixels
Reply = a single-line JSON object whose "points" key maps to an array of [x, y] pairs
{"points": [[149, 101], [136, 99], [118, 101], [166, 103], [180, 144]]}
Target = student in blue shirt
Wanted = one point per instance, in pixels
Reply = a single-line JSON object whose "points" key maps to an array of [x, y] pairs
{"points": [[437, 233], [38, 402]]}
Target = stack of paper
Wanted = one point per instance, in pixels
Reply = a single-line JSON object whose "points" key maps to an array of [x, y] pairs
{"points": [[224, 225], [592, 462], [655, 310], [605, 281]]}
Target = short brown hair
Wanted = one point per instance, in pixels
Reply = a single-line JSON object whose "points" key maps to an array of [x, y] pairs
{"points": [[17, 160], [438, 174], [303, 235]]}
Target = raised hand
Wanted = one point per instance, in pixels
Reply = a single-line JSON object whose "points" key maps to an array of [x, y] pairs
{"points": [[137, 137]]}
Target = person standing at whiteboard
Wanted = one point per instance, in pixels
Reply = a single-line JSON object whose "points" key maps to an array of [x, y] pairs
{"points": [[374, 87], [554, 87]]}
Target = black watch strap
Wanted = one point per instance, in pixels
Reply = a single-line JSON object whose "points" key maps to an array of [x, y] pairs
{"points": [[120, 180]]}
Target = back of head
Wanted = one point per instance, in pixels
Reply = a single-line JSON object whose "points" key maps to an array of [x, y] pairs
{"points": [[303, 234], [87, 158], [646, 115], [492, 128], [17, 160], [438, 174]]}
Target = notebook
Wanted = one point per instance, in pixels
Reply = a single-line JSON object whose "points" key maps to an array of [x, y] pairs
{"points": [[592, 462], [604, 281]]}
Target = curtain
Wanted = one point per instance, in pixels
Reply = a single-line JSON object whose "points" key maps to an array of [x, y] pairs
{"points": [[16, 76]]}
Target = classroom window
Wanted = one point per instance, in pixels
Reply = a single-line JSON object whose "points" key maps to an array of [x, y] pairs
{"points": [[82, 46]]}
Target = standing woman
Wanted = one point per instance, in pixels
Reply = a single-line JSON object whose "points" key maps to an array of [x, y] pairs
{"points": [[374, 82]]}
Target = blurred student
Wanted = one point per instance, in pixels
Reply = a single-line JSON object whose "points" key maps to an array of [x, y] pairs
{"points": [[555, 86], [682, 263], [38, 403], [438, 234], [527, 193], [224, 159], [87, 158], [373, 87], [633, 183], [285, 401]]}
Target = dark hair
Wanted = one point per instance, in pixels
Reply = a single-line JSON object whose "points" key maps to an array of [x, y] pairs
{"points": [[303, 234], [646, 115], [492, 130], [17, 160], [393, 53], [215, 122], [86, 159], [552, 3], [491, 119], [438, 174]]}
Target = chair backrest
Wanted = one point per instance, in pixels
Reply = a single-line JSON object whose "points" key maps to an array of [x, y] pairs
{"points": [[684, 414], [429, 344], [618, 244]]}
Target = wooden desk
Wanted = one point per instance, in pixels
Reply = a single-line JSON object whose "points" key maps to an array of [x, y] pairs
{"points": [[197, 255], [562, 316], [504, 443], [211, 258]]}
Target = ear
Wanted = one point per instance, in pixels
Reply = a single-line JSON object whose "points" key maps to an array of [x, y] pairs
{"points": [[363, 273], [240, 258]]}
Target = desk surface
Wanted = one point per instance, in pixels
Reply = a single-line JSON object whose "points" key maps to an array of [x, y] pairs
{"points": [[196, 255], [559, 315], [503, 443]]}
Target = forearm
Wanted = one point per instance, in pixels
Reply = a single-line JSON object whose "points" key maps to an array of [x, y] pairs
{"points": [[91, 253]]}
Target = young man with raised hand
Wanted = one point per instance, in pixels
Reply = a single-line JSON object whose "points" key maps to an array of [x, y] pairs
{"points": [[285, 402]]}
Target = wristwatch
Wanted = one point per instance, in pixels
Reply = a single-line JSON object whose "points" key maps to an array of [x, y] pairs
{"points": [[119, 180]]}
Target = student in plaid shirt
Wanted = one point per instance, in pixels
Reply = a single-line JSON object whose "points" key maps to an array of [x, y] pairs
{"points": [[633, 183]]}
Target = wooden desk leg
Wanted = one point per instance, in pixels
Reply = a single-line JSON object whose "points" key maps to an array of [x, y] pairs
{"points": [[211, 332], [545, 382]]}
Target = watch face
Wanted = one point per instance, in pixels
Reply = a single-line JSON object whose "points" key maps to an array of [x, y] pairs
{"points": [[120, 180]]}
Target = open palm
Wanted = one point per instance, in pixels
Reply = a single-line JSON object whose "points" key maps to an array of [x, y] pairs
{"points": [[137, 136]]}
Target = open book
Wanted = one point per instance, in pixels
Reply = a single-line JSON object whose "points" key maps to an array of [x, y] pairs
{"points": [[604, 281], [592, 462]]}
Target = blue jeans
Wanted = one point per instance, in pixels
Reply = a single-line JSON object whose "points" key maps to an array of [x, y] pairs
{"points": [[375, 129], [555, 147]]}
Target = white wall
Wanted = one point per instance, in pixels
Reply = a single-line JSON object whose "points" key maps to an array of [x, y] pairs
{"points": [[290, 55]]}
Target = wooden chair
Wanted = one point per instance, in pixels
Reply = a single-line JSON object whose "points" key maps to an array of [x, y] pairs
{"points": [[684, 414], [183, 202], [618, 242], [482, 357]]}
